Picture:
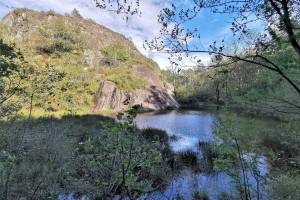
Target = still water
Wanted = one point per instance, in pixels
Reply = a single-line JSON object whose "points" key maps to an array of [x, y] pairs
{"points": [[190, 128]]}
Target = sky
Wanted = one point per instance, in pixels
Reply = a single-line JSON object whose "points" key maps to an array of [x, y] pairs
{"points": [[138, 28]]}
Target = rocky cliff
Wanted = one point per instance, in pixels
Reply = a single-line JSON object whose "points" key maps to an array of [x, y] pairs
{"points": [[155, 96], [104, 70]]}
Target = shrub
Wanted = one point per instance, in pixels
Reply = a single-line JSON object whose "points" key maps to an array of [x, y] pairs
{"points": [[57, 37], [116, 52], [118, 161], [58, 46], [153, 134]]}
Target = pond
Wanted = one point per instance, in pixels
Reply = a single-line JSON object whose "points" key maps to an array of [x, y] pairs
{"points": [[190, 127], [186, 129]]}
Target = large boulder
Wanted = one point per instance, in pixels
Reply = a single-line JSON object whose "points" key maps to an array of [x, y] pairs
{"points": [[157, 95]]}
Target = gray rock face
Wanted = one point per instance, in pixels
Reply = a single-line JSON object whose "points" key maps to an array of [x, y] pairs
{"points": [[157, 95], [150, 99]]}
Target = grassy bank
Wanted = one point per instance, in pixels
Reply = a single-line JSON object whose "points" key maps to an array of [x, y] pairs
{"points": [[90, 155]]}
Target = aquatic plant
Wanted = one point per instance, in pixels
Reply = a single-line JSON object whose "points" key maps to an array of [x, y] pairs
{"points": [[188, 159], [226, 196], [155, 134], [209, 155], [200, 195]]}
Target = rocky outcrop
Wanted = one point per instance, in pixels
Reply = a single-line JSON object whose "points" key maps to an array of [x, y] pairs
{"points": [[51, 37], [157, 95], [150, 99]]}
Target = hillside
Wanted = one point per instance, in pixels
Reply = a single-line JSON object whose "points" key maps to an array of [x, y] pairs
{"points": [[104, 72]]}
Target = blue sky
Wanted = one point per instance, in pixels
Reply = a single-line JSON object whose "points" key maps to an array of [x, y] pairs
{"points": [[139, 28]]}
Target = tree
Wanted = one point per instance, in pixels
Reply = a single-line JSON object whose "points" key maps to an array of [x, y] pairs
{"points": [[123, 7], [281, 19], [11, 75], [41, 82], [75, 13]]}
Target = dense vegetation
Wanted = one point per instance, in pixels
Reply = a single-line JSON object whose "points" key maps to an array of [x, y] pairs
{"points": [[91, 155], [241, 85]]}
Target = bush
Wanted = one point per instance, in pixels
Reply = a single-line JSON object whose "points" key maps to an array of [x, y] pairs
{"points": [[58, 46], [56, 37], [117, 162], [116, 52], [153, 134]]}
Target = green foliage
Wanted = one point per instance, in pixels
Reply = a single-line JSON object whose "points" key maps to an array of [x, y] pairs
{"points": [[40, 149], [42, 156], [286, 187], [124, 79], [12, 72], [41, 83], [57, 46], [248, 87], [7, 165], [91, 155], [155, 134], [57, 38], [63, 42], [285, 139], [237, 157], [75, 13], [116, 53], [243, 140], [127, 82], [211, 153], [117, 160]]}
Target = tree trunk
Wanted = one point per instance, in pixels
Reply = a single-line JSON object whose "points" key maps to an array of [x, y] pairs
{"points": [[289, 28]]}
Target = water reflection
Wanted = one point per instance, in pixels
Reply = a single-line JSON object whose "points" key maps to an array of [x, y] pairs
{"points": [[189, 127]]}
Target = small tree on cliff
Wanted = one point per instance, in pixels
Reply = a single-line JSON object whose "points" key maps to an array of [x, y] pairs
{"points": [[75, 13]]}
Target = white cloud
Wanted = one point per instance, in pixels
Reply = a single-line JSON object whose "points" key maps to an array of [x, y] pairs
{"points": [[186, 62]]}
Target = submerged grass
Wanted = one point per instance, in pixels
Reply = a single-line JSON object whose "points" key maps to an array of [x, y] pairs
{"points": [[200, 195], [187, 159]]}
